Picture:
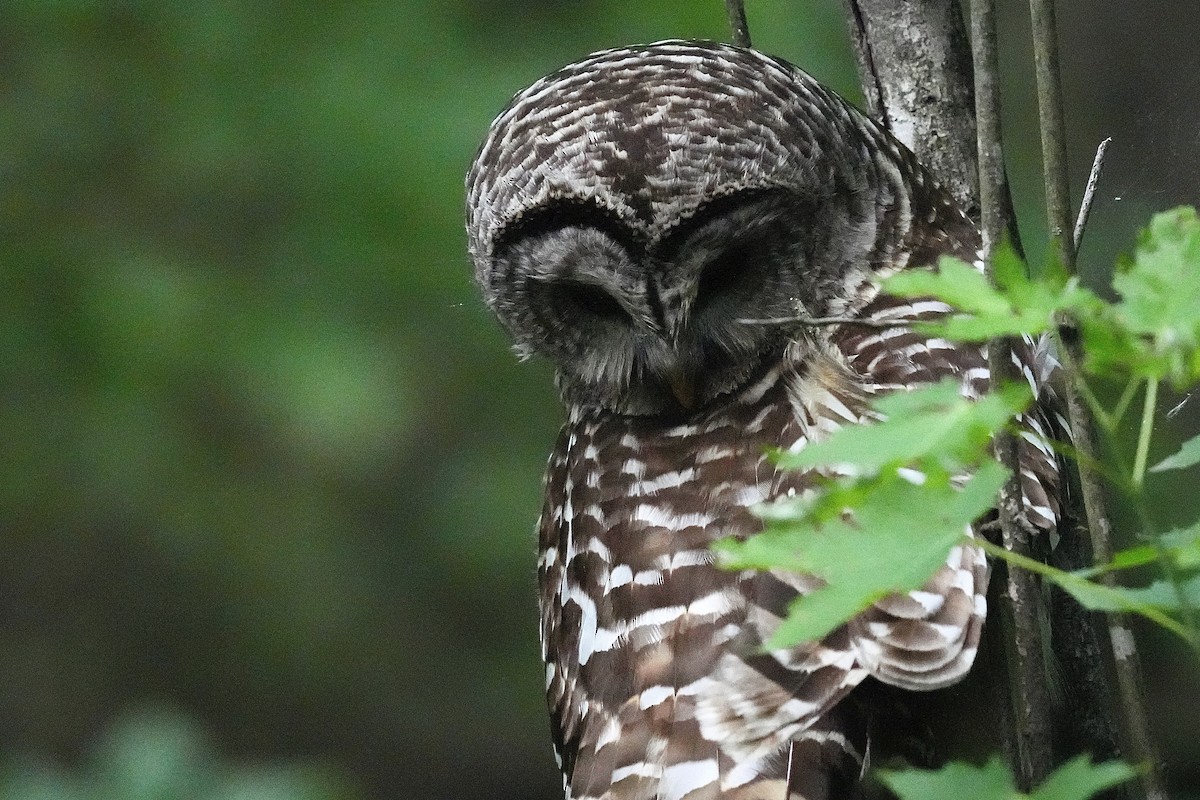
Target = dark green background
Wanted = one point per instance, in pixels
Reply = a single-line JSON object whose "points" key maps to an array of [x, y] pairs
{"points": [[264, 460]]}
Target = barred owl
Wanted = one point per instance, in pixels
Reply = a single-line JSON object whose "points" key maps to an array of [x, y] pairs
{"points": [[626, 216]]}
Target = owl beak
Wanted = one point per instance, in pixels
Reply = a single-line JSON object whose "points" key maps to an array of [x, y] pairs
{"points": [[683, 387]]}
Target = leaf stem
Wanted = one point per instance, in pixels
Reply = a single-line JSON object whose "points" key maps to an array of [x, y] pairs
{"points": [[1111, 421], [1069, 581], [1143, 446]]}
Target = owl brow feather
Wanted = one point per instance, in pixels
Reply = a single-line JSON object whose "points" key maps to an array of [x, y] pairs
{"points": [[565, 213]]}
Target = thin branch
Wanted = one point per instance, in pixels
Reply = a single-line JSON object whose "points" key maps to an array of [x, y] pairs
{"points": [[1089, 192], [1054, 141], [736, 9], [1180, 405], [898, 322], [1031, 700], [994, 217], [1128, 667]]}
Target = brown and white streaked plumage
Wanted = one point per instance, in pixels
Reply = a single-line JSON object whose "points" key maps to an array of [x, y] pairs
{"points": [[625, 215]]}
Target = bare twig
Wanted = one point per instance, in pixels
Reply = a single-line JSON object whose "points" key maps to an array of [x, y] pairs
{"points": [[994, 217], [736, 9], [1179, 406], [1128, 667], [1054, 141], [1030, 692], [1089, 192]]}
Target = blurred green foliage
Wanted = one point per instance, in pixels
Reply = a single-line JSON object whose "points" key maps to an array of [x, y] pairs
{"points": [[265, 458], [157, 755]]}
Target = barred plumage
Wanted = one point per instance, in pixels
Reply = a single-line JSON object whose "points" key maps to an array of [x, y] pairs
{"points": [[625, 215]]}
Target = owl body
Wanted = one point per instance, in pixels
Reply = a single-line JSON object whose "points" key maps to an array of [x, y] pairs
{"points": [[629, 217], [653, 671]]}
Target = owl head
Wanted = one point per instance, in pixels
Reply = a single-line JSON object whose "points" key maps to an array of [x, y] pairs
{"points": [[629, 213]]}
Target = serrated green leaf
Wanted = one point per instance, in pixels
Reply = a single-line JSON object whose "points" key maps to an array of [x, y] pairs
{"points": [[1017, 306], [963, 328], [1157, 327], [1160, 287], [1008, 270], [1111, 349], [1095, 596], [1187, 456], [1078, 779], [956, 780], [1182, 546], [1054, 273], [898, 536], [931, 422], [1152, 602], [1033, 300], [1098, 597], [955, 281]]}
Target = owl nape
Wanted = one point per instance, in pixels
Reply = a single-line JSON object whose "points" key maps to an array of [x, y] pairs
{"points": [[626, 216]]}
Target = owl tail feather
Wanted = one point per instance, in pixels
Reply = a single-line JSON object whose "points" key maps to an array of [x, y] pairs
{"points": [[827, 762]]}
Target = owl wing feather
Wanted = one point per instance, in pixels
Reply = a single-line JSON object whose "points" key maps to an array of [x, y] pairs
{"points": [[656, 684]]}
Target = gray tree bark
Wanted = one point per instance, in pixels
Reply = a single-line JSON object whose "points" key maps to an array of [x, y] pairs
{"points": [[914, 65]]}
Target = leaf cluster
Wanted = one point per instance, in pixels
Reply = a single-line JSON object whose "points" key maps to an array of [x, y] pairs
{"points": [[1151, 331], [1078, 779], [893, 497], [886, 523]]}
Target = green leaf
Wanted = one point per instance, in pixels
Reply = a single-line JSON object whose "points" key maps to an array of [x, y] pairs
{"points": [[956, 780], [1078, 779], [1131, 557], [1153, 602], [931, 422], [1188, 455], [1099, 597], [1150, 601], [1016, 306], [898, 534], [1184, 546], [1165, 596], [1160, 288], [955, 281], [1008, 270], [1154, 330]]}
